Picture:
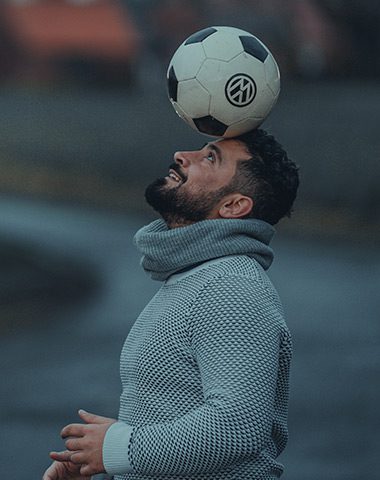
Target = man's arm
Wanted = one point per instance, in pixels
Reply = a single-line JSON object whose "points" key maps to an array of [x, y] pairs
{"points": [[235, 330]]}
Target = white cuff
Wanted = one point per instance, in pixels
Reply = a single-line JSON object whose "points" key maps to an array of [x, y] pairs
{"points": [[116, 449]]}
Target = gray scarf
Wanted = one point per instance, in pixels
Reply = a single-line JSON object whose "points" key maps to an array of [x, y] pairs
{"points": [[167, 251]]}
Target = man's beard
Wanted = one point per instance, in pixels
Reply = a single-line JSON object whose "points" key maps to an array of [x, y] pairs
{"points": [[176, 206]]}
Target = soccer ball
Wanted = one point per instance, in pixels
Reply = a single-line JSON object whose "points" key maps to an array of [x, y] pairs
{"points": [[223, 81]]}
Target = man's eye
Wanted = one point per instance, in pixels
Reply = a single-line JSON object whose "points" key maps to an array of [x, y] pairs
{"points": [[210, 157]]}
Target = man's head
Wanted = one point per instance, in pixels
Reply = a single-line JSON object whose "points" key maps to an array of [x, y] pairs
{"points": [[249, 176]]}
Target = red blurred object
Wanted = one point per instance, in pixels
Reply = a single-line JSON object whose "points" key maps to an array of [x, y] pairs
{"points": [[46, 30]]}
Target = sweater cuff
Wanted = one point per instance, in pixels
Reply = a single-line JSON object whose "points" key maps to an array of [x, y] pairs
{"points": [[116, 446]]}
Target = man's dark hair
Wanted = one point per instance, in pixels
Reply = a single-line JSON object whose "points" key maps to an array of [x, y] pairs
{"points": [[270, 178]]}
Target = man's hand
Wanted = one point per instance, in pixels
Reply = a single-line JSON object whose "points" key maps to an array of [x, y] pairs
{"points": [[64, 471], [85, 445]]}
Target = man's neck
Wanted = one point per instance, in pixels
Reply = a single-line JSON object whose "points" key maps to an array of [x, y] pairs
{"points": [[175, 222]]}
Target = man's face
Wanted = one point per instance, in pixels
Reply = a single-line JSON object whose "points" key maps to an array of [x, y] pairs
{"points": [[197, 182]]}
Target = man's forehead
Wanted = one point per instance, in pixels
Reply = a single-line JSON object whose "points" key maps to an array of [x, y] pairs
{"points": [[232, 146]]}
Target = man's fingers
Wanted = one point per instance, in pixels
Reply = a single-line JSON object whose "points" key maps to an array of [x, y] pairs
{"points": [[63, 471], [61, 456], [51, 473], [92, 418], [74, 444], [78, 458], [86, 470], [73, 430]]}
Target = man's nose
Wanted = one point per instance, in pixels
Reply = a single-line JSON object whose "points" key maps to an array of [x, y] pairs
{"points": [[183, 158]]}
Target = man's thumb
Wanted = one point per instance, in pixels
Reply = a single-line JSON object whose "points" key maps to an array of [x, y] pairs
{"points": [[92, 418]]}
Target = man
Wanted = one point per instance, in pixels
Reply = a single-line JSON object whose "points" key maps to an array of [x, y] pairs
{"points": [[205, 367]]}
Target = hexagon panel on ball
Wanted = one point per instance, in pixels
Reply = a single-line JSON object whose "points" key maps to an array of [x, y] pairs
{"points": [[193, 98], [243, 126], [187, 61], [224, 47], [261, 104], [272, 75], [183, 115], [234, 87]]}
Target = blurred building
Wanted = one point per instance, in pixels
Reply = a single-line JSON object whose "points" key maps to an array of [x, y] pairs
{"points": [[89, 144], [311, 39], [87, 41]]}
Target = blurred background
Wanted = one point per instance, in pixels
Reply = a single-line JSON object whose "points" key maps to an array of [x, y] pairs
{"points": [[85, 124]]}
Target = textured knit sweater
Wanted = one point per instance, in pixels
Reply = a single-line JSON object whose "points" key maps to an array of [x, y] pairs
{"points": [[205, 367]]}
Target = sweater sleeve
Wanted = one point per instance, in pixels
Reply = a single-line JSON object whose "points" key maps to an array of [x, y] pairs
{"points": [[235, 330]]}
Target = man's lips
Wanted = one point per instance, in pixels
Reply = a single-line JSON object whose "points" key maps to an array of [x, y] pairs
{"points": [[175, 176]]}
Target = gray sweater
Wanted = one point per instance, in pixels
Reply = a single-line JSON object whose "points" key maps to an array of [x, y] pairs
{"points": [[205, 367]]}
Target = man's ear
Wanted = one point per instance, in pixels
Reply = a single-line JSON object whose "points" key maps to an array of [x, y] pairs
{"points": [[236, 205]]}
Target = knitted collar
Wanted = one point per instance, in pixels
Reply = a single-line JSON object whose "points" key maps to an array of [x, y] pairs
{"points": [[167, 251]]}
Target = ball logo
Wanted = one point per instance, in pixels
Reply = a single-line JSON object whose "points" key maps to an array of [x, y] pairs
{"points": [[240, 90]]}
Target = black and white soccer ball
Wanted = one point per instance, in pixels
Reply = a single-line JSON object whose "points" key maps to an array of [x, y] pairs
{"points": [[223, 81]]}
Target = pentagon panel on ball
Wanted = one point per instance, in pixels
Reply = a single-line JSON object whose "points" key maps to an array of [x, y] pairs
{"points": [[210, 126], [223, 81]]}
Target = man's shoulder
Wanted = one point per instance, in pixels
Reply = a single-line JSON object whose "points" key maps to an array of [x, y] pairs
{"points": [[241, 271], [235, 277], [236, 265], [235, 283], [237, 287]]}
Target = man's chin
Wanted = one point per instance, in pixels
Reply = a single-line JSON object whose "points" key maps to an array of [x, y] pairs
{"points": [[156, 194], [174, 204], [169, 185]]}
